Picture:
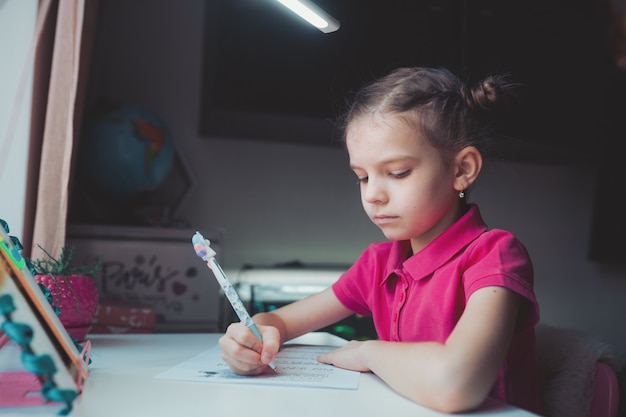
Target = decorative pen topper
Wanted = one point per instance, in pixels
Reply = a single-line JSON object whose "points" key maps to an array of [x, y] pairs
{"points": [[203, 249]]}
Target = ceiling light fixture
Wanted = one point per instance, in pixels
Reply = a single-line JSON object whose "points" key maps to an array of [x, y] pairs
{"points": [[312, 14]]}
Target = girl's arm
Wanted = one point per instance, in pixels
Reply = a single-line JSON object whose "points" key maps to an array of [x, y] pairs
{"points": [[450, 377], [245, 355], [306, 315]]}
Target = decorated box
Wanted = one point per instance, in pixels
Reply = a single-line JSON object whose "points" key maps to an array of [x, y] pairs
{"points": [[153, 268]]}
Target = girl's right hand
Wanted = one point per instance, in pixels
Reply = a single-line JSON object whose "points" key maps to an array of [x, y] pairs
{"points": [[244, 353]]}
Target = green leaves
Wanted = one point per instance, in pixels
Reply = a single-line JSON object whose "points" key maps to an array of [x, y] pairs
{"points": [[62, 265]]}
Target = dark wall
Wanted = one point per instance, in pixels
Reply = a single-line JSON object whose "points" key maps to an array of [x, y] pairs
{"points": [[256, 76]]}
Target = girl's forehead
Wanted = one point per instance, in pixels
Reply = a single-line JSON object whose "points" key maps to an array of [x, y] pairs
{"points": [[387, 127], [365, 125], [388, 138]]}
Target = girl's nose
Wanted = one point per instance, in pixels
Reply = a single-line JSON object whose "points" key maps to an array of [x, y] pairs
{"points": [[374, 192]]}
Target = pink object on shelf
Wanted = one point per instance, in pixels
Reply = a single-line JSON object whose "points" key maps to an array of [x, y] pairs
{"points": [[123, 319], [76, 296]]}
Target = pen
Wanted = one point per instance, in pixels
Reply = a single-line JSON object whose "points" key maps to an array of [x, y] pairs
{"points": [[203, 249]]}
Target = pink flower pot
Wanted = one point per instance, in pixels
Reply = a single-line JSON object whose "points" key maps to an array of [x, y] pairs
{"points": [[76, 297]]}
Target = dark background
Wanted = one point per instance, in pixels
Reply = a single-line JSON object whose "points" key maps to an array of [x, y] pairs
{"points": [[557, 51]]}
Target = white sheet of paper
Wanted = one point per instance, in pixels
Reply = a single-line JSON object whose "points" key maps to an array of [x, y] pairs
{"points": [[296, 365]]}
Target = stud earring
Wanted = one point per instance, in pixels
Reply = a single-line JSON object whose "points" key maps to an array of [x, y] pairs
{"points": [[462, 194]]}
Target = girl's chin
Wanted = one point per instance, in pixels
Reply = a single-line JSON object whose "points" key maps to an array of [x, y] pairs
{"points": [[394, 235]]}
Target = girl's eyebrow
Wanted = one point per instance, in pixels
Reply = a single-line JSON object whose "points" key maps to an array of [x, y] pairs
{"points": [[388, 161]]}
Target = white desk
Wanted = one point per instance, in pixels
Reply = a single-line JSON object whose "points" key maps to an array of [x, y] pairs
{"points": [[122, 384]]}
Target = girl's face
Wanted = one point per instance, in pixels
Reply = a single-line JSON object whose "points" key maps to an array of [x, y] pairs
{"points": [[406, 185]]}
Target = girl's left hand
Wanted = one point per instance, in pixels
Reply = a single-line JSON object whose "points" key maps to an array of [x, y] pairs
{"points": [[347, 357]]}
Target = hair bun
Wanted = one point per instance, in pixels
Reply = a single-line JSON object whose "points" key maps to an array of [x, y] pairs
{"points": [[489, 92]]}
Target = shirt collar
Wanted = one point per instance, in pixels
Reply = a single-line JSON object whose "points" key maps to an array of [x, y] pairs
{"points": [[440, 250]]}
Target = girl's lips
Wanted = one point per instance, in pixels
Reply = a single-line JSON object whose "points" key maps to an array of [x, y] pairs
{"points": [[383, 220]]}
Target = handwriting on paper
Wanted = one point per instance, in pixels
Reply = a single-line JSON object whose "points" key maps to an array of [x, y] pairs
{"points": [[296, 365]]}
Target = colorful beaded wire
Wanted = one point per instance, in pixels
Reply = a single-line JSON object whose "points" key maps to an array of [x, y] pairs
{"points": [[40, 365]]}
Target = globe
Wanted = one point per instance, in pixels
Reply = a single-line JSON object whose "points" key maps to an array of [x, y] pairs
{"points": [[125, 151]]}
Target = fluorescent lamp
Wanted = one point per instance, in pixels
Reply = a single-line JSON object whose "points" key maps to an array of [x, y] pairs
{"points": [[312, 14]]}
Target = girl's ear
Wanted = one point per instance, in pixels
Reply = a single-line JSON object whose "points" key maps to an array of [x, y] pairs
{"points": [[468, 163]]}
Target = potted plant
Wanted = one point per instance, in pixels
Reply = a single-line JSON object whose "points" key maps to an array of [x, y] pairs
{"points": [[73, 291]]}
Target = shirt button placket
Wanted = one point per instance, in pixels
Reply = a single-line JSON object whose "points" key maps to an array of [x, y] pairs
{"points": [[395, 322]]}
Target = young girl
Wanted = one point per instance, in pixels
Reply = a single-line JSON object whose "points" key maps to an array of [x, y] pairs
{"points": [[452, 301]]}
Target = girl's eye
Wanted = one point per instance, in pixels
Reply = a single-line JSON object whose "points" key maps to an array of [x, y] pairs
{"points": [[401, 174], [361, 180]]}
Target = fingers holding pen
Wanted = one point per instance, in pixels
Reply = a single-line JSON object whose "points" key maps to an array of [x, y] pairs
{"points": [[271, 343], [244, 353]]}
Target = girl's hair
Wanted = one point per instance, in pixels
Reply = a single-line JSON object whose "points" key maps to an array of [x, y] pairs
{"points": [[449, 113]]}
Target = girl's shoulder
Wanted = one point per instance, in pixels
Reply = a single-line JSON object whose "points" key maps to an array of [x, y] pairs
{"points": [[499, 238], [497, 252]]}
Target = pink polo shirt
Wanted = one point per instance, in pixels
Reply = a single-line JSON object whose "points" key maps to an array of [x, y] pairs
{"points": [[421, 297]]}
